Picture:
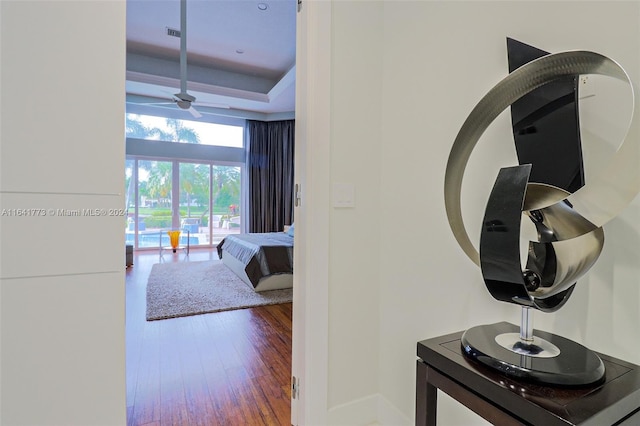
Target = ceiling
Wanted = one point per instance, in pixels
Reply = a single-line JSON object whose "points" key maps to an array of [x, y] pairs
{"points": [[240, 57]]}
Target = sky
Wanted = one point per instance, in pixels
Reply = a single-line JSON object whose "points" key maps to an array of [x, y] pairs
{"points": [[210, 134]]}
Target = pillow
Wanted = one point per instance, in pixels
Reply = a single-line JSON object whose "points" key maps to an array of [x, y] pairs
{"points": [[290, 230]]}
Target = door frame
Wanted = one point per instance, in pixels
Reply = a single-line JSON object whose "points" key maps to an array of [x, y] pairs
{"points": [[310, 354]]}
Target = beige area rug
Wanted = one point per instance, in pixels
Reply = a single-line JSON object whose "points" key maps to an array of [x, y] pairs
{"points": [[193, 288]]}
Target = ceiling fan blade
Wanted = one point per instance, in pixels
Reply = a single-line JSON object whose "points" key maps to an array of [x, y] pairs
{"points": [[154, 103], [212, 105], [194, 112]]}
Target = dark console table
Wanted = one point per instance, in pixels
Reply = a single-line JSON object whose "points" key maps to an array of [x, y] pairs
{"points": [[504, 401]]}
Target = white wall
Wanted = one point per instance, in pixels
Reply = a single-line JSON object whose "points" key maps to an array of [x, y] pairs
{"points": [[355, 232], [404, 77], [62, 278]]}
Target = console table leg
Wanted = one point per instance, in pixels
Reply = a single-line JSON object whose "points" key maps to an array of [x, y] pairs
{"points": [[426, 397]]}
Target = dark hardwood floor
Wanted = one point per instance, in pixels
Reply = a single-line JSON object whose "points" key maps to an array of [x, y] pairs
{"points": [[225, 368]]}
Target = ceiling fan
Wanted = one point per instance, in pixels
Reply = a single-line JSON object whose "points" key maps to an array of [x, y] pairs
{"points": [[183, 99]]}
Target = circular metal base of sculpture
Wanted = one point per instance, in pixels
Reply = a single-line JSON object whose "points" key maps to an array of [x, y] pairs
{"points": [[537, 348], [574, 365]]}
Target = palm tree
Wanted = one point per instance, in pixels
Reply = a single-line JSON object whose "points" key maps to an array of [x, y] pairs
{"points": [[159, 183], [194, 183], [177, 132], [134, 128], [226, 181]]}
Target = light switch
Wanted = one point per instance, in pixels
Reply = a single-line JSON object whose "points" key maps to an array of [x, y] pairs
{"points": [[343, 195]]}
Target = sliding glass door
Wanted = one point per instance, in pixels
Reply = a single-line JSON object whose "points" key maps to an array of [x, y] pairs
{"points": [[194, 212], [130, 190], [202, 200], [154, 205], [226, 197]]}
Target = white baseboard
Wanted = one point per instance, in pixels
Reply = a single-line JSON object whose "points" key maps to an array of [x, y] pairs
{"points": [[389, 415], [363, 411], [371, 410]]}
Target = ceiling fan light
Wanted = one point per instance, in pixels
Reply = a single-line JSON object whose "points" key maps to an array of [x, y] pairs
{"points": [[184, 104]]}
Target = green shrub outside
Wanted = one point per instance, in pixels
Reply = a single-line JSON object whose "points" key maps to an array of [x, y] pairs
{"points": [[157, 221], [161, 217], [164, 221]]}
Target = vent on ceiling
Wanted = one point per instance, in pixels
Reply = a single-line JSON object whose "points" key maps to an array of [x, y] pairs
{"points": [[173, 32]]}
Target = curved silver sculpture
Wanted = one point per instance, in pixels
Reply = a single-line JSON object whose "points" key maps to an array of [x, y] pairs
{"points": [[569, 225], [597, 202]]}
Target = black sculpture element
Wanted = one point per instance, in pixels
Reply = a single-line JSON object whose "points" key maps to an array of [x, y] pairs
{"points": [[546, 125], [500, 236]]}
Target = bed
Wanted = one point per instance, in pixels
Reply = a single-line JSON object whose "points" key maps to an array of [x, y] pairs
{"points": [[262, 260]]}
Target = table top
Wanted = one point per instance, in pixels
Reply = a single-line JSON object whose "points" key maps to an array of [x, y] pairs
{"points": [[602, 404]]}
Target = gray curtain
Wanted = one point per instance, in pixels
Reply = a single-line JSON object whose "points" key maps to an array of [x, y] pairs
{"points": [[270, 165]]}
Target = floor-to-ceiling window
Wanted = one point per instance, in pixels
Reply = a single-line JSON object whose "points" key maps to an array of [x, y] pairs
{"points": [[226, 202], [195, 202], [194, 186], [154, 202]]}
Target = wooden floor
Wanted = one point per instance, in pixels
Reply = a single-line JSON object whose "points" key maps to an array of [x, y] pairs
{"points": [[225, 368]]}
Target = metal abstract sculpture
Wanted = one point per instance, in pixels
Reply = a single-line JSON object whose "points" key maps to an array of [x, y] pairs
{"points": [[568, 215]]}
